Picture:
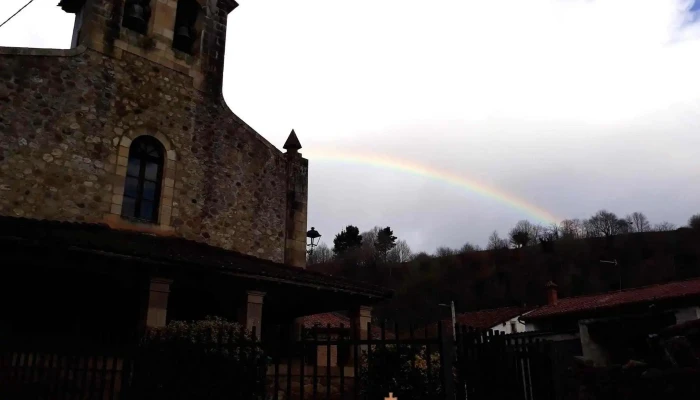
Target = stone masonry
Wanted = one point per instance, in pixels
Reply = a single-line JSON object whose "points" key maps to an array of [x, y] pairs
{"points": [[68, 117]]}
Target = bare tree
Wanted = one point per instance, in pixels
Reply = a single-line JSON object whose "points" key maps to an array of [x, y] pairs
{"points": [[496, 243], [664, 227], [321, 254], [550, 234], [694, 222], [368, 251], [572, 229], [400, 253], [444, 251], [536, 232], [421, 256], [605, 224], [468, 248], [638, 222]]}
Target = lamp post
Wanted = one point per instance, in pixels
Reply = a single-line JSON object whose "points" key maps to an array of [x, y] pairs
{"points": [[619, 270], [314, 238], [452, 307]]}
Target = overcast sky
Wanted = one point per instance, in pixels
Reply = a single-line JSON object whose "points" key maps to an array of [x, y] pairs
{"points": [[447, 120]]}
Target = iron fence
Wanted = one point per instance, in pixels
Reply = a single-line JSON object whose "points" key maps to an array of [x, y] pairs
{"points": [[67, 373], [340, 363]]}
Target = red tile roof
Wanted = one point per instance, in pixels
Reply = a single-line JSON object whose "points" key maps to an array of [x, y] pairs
{"points": [[336, 319], [487, 319], [323, 320], [640, 295]]}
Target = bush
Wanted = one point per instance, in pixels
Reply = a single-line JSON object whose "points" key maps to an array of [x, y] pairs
{"points": [[402, 371], [208, 359]]}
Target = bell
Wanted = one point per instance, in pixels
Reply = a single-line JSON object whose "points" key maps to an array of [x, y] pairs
{"points": [[183, 34], [135, 15]]}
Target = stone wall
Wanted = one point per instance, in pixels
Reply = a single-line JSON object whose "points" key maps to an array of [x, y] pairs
{"points": [[68, 118]]}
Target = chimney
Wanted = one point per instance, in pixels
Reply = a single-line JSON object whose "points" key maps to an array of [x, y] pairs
{"points": [[552, 293]]}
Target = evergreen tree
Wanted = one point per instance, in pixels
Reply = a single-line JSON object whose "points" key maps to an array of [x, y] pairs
{"points": [[385, 242], [347, 240]]}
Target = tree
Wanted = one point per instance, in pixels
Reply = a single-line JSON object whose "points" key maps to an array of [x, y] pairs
{"points": [[549, 234], [605, 224], [468, 248], [519, 239], [422, 256], [444, 251], [664, 227], [638, 222], [385, 241], [368, 253], [321, 254], [521, 234], [694, 222], [536, 232], [401, 253], [496, 243], [348, 240], [572, 229]]}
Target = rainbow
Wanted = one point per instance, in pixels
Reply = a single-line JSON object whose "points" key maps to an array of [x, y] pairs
{"points": [[413, 168]]}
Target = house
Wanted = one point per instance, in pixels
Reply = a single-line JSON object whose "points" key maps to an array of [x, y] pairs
{"points": [[505, 319], [615, 326], [130, 195], [333, 326]]}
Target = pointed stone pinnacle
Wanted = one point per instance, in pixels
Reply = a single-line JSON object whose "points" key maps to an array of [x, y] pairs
{"points": [[292, 142]]}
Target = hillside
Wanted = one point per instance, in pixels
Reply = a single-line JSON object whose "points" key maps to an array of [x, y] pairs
{"points": [[490, 279]]}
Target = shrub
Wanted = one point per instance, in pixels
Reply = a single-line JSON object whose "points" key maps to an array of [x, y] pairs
{"points": [[402, 370], [208, 359]]}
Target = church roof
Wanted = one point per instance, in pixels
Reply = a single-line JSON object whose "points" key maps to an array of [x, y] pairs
{"points": [[171, 250]]}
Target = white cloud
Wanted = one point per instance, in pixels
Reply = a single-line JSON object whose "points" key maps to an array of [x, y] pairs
{"points": [[571, 105]]}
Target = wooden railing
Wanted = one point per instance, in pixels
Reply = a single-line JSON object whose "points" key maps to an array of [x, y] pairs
{"points": [[67, 374]]}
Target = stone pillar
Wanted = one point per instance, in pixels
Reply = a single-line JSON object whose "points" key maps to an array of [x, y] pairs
{"points": [[359, 318], [250, 312], [157, 310], [295, 218]]}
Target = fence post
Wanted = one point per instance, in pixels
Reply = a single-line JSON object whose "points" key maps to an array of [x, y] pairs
{"points": [[447, 350]]}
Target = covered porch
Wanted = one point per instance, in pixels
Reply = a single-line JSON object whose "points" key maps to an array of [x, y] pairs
{"points": [[86, 285]]}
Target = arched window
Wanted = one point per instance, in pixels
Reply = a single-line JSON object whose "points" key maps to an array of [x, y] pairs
{"points": [[143, 180]]}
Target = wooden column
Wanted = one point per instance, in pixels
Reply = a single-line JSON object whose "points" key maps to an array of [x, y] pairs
{"points": [[359, 318], [250, 312], [157, 311]]}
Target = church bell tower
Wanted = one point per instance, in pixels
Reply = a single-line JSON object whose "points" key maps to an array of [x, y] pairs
{"points": [[188, 36]]}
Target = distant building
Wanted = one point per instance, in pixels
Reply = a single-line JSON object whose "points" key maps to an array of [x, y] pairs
{"points": [[615, 326], [335, 325], [506, 319]]}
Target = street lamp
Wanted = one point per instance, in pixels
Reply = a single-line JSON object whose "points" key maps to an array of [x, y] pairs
{"points": [[314, 238], [619, 270], [452, 307]]}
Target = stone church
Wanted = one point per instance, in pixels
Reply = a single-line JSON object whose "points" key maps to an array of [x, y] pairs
{"points": [[130, 195]]}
